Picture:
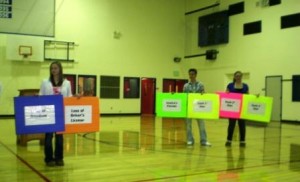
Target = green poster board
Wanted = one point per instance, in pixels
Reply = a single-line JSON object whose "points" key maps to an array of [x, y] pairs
{"points": [[171, 105], [257, 108], [203, 106]]}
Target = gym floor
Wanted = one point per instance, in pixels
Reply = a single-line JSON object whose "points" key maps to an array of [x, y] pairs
{"points": [[148, 148]]}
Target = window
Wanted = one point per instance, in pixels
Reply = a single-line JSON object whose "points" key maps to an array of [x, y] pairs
{"points": [[110, 87], [87, 85], [131, 87]]}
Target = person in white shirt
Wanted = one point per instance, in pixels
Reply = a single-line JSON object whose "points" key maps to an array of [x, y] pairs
{"points": [[55, 84]]}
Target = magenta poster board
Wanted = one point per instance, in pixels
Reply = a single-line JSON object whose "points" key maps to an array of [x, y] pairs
{"points": [[230, 105], [39, 114]]}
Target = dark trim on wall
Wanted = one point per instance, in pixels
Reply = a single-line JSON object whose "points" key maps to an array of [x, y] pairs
{"points": [[12, 116], [7, 116], [251, 123], [201, 9], [290, 122], [257, 124], [119, 114]]}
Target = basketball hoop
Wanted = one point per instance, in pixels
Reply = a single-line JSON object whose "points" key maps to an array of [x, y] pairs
{"points": [[25, 56], [25, 51]]}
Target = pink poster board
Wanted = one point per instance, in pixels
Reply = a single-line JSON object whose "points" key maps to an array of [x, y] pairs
{"points": [[230, 105]]}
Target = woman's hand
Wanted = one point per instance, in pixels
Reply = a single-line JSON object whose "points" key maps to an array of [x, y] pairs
{"points": [[78, 96]]}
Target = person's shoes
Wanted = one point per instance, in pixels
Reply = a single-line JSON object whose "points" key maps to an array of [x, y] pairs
{"points": [[59, 163], [50, 164], [189, 143], [242, 144], [228, 144], [207, 144]]}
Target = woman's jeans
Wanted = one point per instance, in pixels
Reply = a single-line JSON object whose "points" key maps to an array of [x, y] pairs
{"points": [[58, 152], [189, 130]]}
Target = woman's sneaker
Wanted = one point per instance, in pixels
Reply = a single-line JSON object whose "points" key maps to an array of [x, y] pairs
{"points": [[189, 143], [242, 144], [228, 144], [50, 164], [59, 163], [207, 144]]}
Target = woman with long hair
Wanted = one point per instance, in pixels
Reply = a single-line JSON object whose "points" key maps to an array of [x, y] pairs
{"points": [[237, 86], [55, 85]]}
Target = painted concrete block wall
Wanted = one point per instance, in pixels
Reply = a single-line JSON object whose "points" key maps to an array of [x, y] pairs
{"points": [[151, 35], [274, 51]]}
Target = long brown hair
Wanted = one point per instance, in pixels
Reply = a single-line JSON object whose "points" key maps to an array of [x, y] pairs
{"points": [[60, 77]]}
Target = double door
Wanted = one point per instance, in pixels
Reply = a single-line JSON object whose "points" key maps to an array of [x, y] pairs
{"points": [[148, 90]]}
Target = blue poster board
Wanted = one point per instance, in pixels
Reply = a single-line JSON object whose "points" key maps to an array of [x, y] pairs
{"points": [[39, 114]]}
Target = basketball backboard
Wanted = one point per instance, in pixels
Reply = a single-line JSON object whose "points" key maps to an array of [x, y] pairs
{"points": [[24, 48]]}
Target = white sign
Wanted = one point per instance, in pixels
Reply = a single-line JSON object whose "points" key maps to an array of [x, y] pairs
{"points": [[39, 115], [81, 114], [256, 108], [172, 105], [231, 105], [202, 106]]}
